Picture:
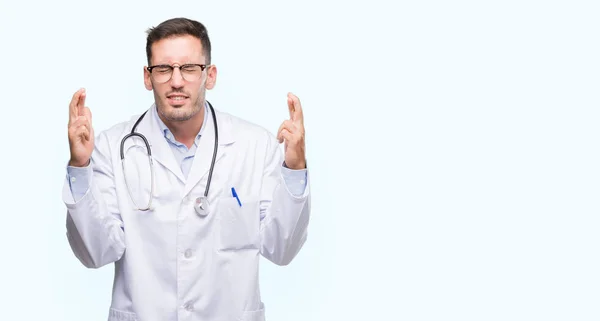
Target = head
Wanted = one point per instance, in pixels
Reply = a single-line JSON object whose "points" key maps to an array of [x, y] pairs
{"points": [[175, 49]]}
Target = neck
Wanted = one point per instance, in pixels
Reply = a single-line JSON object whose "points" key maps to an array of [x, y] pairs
{"points": [[187, 130]]}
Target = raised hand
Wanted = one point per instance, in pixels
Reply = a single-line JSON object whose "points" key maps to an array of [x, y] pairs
{"points": [[81, 133], [292, 132]]}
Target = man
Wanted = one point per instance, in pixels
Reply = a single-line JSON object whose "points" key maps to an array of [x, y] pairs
{"points": [[175, 259]]}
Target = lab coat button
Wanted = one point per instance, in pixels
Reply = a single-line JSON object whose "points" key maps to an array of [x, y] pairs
{"points": [[73, 179], [188, 253]]}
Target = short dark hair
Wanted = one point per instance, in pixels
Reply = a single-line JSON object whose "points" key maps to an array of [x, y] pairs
{"points": [[178, 27]]}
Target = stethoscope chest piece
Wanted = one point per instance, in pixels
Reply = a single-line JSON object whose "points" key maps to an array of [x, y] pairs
{"points": [[201, 206]]}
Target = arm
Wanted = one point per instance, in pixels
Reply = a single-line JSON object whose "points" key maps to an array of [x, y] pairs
{"points": [[283, 230], [94, 227], [285, 208]]}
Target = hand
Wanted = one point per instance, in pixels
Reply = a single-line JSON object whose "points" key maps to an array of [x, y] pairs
{"points": [[292, 132], [81, 133]]}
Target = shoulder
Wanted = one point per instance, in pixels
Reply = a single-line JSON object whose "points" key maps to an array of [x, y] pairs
{"points": [[245, 130]]}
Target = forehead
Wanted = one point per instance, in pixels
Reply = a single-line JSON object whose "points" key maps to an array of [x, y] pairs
{"points": [[177, 49]]}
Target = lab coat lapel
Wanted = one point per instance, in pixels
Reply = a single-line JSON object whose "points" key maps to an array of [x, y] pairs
{"points": [[161, 152], [204, 152]]}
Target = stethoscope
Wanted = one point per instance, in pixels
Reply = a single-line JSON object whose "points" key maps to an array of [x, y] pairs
{"points": [[201, 204]]}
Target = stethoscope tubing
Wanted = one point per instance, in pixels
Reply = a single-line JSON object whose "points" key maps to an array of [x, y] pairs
{"points": [[133, 133]]}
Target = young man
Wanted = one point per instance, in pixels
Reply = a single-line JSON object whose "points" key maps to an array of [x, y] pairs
{"points": [[178, 255]]}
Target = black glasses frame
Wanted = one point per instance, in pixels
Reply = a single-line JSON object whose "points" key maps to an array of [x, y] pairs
{"points": [[202, 67]]}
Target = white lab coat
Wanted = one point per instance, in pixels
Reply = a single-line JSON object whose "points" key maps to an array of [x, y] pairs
{"points": [[170, 263]]}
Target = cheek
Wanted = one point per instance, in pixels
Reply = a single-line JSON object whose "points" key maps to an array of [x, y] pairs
{"points": [[161, 89], [197, 90]]}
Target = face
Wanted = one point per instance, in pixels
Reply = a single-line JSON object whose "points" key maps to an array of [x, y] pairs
{"points": [[179, 99]]}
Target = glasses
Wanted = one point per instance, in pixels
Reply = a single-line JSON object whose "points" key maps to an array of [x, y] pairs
{"points": [[189, 72]]}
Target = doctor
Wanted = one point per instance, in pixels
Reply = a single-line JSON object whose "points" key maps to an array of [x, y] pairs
{"points": [[179, 255]]}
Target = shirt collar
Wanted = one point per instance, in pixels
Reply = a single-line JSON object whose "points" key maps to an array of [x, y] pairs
{"points": [[167, 133]]}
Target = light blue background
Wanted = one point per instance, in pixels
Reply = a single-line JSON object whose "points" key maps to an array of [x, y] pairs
{"points": [[453, 149]]}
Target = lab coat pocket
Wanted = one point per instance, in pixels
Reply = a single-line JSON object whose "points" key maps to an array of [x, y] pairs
{"points": [[238, 225], [117, 315], [258, 315]]}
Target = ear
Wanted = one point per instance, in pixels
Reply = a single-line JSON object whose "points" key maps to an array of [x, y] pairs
{"points": [[211, 81], [147, 81]]}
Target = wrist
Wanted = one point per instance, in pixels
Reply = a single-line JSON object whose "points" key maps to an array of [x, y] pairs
{"points": [[295, 166], [76, 163]]}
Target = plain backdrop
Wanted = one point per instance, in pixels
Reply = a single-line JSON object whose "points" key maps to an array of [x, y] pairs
{"points": [[452, 145]]}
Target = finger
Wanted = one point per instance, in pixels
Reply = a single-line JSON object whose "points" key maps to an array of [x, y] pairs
{"points": [[73, 104], [81, 120], [291, 109], [81, 104], [286, 125], [87, 113], [83, 131], [289, 125], [294, 128], [279, 137], [286, 135], [296, 108], [86, 126]]}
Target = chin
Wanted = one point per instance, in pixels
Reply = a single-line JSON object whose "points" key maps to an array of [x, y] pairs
{"points": [[178, 112]]}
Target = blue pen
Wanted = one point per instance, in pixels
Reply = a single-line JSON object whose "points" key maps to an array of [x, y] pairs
{"points": [[236, 196]]}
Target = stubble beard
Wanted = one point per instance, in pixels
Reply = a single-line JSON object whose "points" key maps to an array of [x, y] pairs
{"points": [[179, 114]]}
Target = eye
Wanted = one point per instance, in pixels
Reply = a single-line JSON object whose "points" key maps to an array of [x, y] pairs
{"points": [[162, 69], [190, 68]]}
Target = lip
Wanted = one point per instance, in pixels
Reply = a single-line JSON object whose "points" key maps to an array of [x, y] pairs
{"points": [[177, 95], [177, 99]]}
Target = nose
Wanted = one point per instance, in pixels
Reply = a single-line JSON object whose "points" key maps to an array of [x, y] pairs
{"points": [[177, 78]]}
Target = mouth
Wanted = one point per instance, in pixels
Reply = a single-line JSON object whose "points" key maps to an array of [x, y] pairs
{"points": [[177, 99]]}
